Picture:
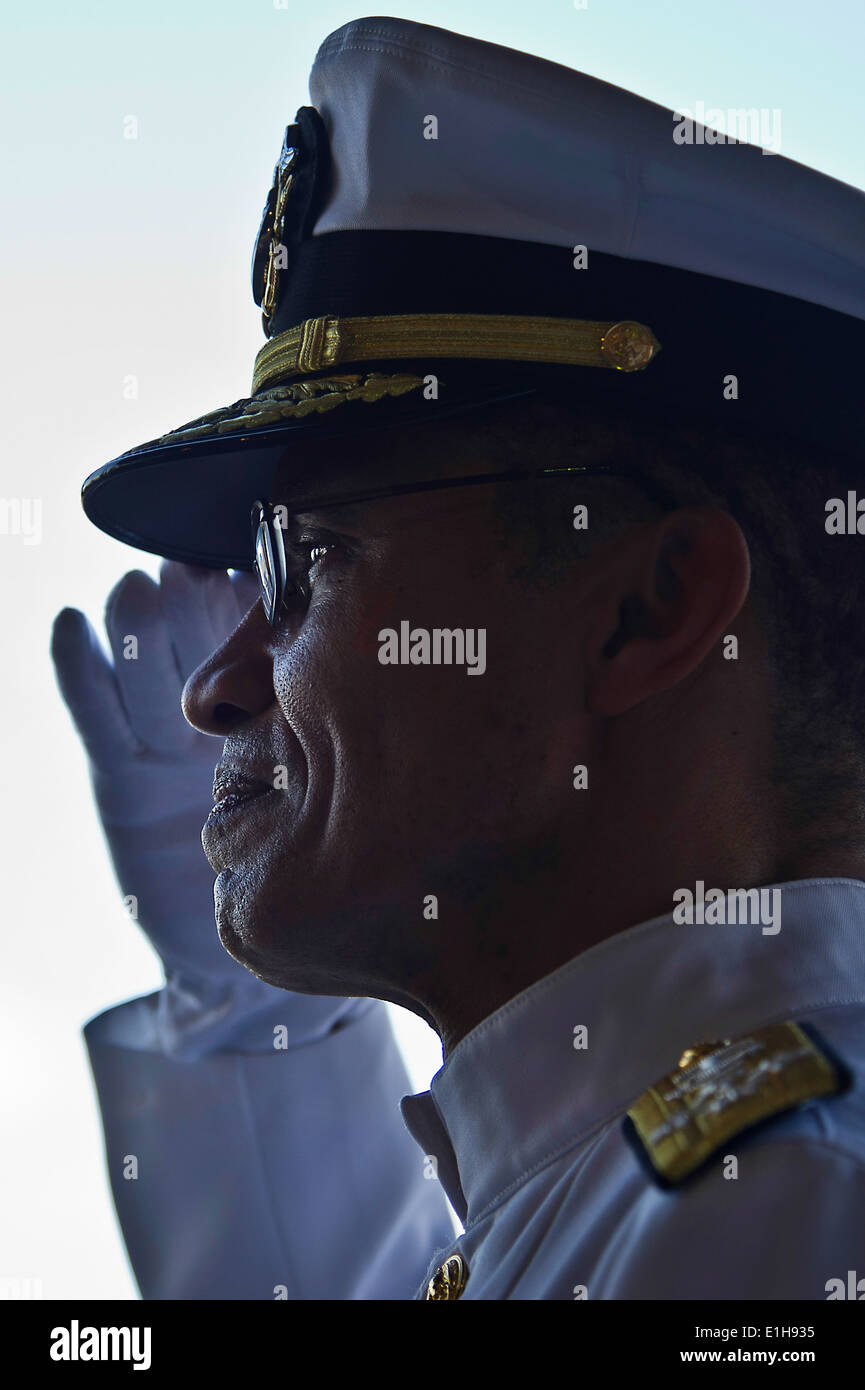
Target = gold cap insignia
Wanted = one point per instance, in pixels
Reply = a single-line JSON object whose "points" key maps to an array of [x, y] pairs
{"points": [[291, 207], [720, 1089], [449, 1280]]}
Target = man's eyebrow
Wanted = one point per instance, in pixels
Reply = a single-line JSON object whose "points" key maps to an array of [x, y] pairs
{"points": [[342, 513]]}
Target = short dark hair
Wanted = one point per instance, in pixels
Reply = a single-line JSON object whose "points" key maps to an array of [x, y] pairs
{"points": [[805, 583]]}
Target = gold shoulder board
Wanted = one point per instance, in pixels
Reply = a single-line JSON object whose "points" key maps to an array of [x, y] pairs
{"points": [[720, 1089]]}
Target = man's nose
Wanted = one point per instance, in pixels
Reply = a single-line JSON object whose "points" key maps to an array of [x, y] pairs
{"points": [[235, 683]]}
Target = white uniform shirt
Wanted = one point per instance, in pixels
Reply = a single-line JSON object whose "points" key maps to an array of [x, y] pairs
{"points": [[288, 1174], [527, 1129]]}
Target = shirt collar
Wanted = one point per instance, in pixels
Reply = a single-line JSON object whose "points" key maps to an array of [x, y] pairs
{"points": [[515, 1091]]}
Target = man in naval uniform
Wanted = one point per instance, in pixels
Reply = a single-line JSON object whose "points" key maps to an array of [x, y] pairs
{"points": [[539, 672]]}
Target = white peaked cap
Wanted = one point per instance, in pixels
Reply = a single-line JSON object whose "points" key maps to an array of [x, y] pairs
{"points": [[530, 150], [423, 226]]}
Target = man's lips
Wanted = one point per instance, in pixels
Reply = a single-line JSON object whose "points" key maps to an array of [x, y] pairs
{"points": [[229, 802], [234, 795], [232, 789]]}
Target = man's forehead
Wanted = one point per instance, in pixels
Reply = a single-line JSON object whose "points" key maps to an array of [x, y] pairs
{"points": [[338, 468], [348, 467]]}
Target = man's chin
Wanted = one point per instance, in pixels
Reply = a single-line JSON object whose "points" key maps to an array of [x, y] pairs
{"points": [[234, 899], [263, 942]]}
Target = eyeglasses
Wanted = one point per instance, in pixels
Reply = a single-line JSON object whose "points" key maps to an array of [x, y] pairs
{"points": [[268, 537]]}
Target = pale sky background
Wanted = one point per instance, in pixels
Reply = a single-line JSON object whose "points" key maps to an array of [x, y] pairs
{"points": [[132, 257]]}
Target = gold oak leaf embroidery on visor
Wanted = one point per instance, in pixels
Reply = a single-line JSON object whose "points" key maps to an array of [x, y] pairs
{"points": [[293, 400]]}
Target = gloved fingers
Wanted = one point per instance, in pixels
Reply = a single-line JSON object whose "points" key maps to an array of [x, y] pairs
{"points": [[201, 610], [88, 685], [144, 663]]}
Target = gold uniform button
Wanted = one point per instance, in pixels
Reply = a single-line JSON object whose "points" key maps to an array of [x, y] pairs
{"points": [[449, 1280], [629, 346]]}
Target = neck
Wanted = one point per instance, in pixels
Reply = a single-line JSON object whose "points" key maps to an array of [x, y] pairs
{"points": [[529, 925]]}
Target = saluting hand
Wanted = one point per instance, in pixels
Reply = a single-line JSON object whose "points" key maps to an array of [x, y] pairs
{"points": [[152, 773]]}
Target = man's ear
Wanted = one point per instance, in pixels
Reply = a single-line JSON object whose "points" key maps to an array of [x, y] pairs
{"points": [[664, 599]]}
